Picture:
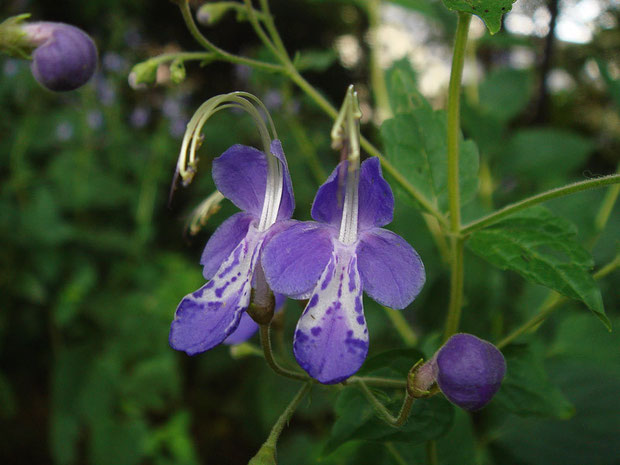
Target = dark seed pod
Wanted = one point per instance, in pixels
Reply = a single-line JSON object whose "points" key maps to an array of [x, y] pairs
{"points": [[65, 57], [469, 371]]}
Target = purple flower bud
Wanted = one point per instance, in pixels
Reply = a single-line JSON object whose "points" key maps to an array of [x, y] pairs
{"points": [[65, 57], [469, 371]]}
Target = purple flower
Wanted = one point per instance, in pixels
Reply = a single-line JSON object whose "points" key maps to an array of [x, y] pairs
{"points": [[333, 261], [469, 371], [261, 187], [65, 57]]}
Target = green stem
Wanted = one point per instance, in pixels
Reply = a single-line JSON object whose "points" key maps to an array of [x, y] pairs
{"points": [[606, 208], [550, 304], [395, 454], [382, 410], [271, 28], [286, 415], [539, 198], [454, 131], [431, 452], [456, 289], [262, 35], [202, 40], [265, 342], [402, 327]]}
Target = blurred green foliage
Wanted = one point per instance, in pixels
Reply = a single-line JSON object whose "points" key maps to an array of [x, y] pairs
{"points": [[93, 263]]}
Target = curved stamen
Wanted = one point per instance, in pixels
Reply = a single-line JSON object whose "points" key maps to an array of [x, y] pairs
{"points": [[187, 162]]}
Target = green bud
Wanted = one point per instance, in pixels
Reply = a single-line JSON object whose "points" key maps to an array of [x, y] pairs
{"points": [[13, 39], [245, 349], [177, 71], [143, 74], [266, 455], [210, 14]]}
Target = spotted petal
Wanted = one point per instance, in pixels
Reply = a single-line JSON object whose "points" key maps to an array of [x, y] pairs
{"points": [[206, 317], [223, 241], [331, 339], [392, 271]]}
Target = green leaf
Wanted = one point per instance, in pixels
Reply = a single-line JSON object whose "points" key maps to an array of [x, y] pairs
{"points": [[429, 419], [490, 11], [505, 92], [415, 143], [541, 152], [542, 248], [526, 390]]}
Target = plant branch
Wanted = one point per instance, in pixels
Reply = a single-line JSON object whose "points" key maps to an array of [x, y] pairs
{"points": [[202, 40], [265, 342], [539, 198], [402, 327], [383, 411], [287, 414]]}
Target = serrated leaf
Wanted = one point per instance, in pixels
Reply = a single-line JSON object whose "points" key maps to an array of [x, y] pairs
{"points": [[542, 248], [415, 143], [526, 390], [490, 11], [429, 419]]}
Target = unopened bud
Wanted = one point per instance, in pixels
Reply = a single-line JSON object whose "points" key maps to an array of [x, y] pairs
{"points": [[143, 74], [64, 58], [177, 71]]}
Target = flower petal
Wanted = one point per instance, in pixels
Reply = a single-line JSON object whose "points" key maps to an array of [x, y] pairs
{"points": [[247, 326], [331, 339], [376, 200], [327, 205], [223, 241], [294, 259], [287, 205], [392, 271], [240, 174], [206, 317]]}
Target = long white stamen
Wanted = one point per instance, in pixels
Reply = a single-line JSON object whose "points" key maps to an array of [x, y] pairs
{"points": [[348, 119], [187, 162]]}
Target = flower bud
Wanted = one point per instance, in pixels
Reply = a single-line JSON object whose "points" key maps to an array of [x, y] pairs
{"points": [[64, 57], [469, 371]]}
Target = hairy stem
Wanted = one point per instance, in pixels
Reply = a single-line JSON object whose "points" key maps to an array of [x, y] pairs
{"points": [[287, 414], [382, 410], [539, 198], [265, 342]]}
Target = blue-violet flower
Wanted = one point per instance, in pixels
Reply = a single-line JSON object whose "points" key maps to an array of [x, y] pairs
{"points": [[260, 185], [334, 260]]}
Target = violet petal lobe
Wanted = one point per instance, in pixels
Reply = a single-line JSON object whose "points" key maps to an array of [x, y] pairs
{"points": [[469, 371], [287, 204], [392, 271], [331, 338], [67, 58], [223, 241], [294, 259], [247, 326], [240, 174], [206, 317], [376, 200], [327, 205]]}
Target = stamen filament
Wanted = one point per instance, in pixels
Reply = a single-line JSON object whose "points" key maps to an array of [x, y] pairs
{"points": [[187, 163]]}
